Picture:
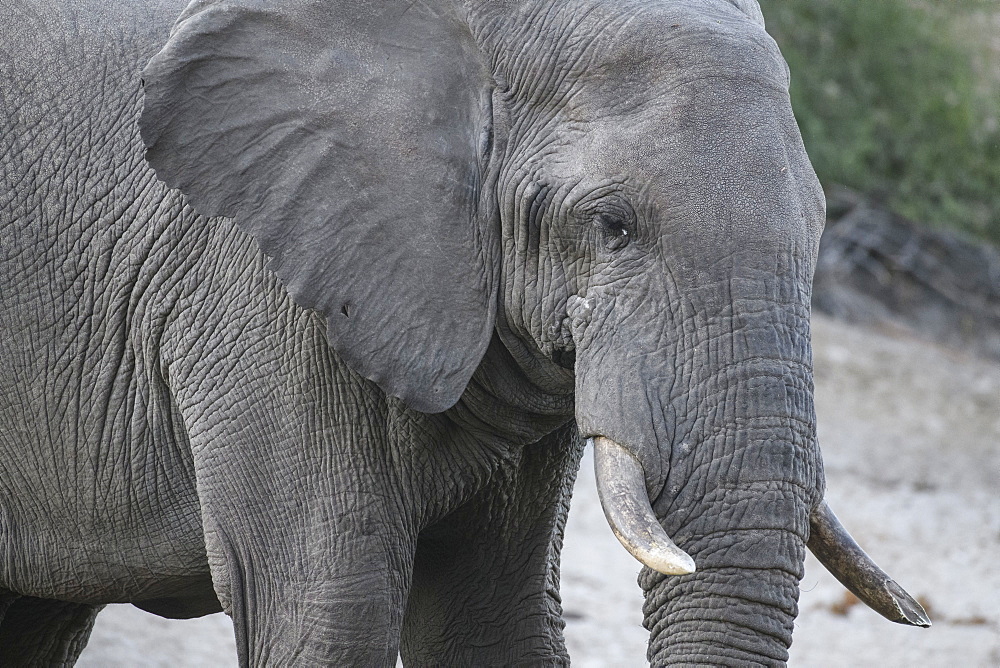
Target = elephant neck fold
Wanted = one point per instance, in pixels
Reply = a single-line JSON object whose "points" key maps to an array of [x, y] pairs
{"points": [[515, 397]]}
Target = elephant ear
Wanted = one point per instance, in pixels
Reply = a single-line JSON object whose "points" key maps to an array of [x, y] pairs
{"points": [[348, 138]]}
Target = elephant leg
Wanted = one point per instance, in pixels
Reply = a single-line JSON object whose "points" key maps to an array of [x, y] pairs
{"points": [[288, 611], [307, 557], [308, 548], [486, 578], [6, 600], [40, 632], [306, 533]]}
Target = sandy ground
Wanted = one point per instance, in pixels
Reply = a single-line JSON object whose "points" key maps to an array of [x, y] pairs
{"points": [[911, 438]]}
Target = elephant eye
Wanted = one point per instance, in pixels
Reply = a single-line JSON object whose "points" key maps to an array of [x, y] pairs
{"points": [[614, 229]]}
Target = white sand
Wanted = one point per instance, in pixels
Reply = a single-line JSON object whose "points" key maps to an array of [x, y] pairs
{"points": [[911, 438]]}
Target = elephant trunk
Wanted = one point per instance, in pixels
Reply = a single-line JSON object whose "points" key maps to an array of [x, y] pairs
{"points": [[738, 608], [721, 423], [710, 475], [737, 497]]}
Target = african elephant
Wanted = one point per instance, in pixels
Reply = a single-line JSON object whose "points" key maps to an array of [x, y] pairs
{"points": [[437, 246]]}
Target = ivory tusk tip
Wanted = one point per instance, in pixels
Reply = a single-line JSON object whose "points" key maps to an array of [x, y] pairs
{"points": [[674, 564], [911, 612], [666, 559]]}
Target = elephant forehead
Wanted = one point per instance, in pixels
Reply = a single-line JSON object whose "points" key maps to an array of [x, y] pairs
{"points": [[736, 172], [641, 50], [706, 130]]}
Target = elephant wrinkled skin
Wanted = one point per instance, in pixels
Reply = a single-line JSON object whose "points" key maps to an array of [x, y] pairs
{"points": [[308, 319]]}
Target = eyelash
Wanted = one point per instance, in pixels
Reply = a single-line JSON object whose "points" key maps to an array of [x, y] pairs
{"points": [[614, 229]]}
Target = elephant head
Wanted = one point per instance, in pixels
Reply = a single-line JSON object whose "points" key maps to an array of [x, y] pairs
{"points": [[617, 189]]}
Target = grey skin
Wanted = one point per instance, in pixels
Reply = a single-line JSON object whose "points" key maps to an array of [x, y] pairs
{"points": [[458, 239]]}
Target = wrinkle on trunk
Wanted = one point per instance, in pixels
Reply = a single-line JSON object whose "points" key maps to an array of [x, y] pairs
{"points": [[737, 498], [740, 606]]}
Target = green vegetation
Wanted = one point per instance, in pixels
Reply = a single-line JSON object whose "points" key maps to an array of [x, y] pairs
{"points": [[899, 99]]}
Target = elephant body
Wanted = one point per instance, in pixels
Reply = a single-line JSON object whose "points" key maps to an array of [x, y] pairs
{"points": [[94, 267], [337, 388], [141, 341]]}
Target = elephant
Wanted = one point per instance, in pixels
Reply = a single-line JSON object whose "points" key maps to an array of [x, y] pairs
{"points": [[309, 309]]}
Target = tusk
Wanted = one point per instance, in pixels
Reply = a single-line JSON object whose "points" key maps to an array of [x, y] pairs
{"points": [[836, 550], [621, 485]]}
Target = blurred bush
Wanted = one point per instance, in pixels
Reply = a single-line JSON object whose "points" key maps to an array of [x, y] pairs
{"points": [[899, 99]]}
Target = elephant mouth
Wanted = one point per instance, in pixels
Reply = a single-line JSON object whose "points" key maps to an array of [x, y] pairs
{"points": [[621, 485]]}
